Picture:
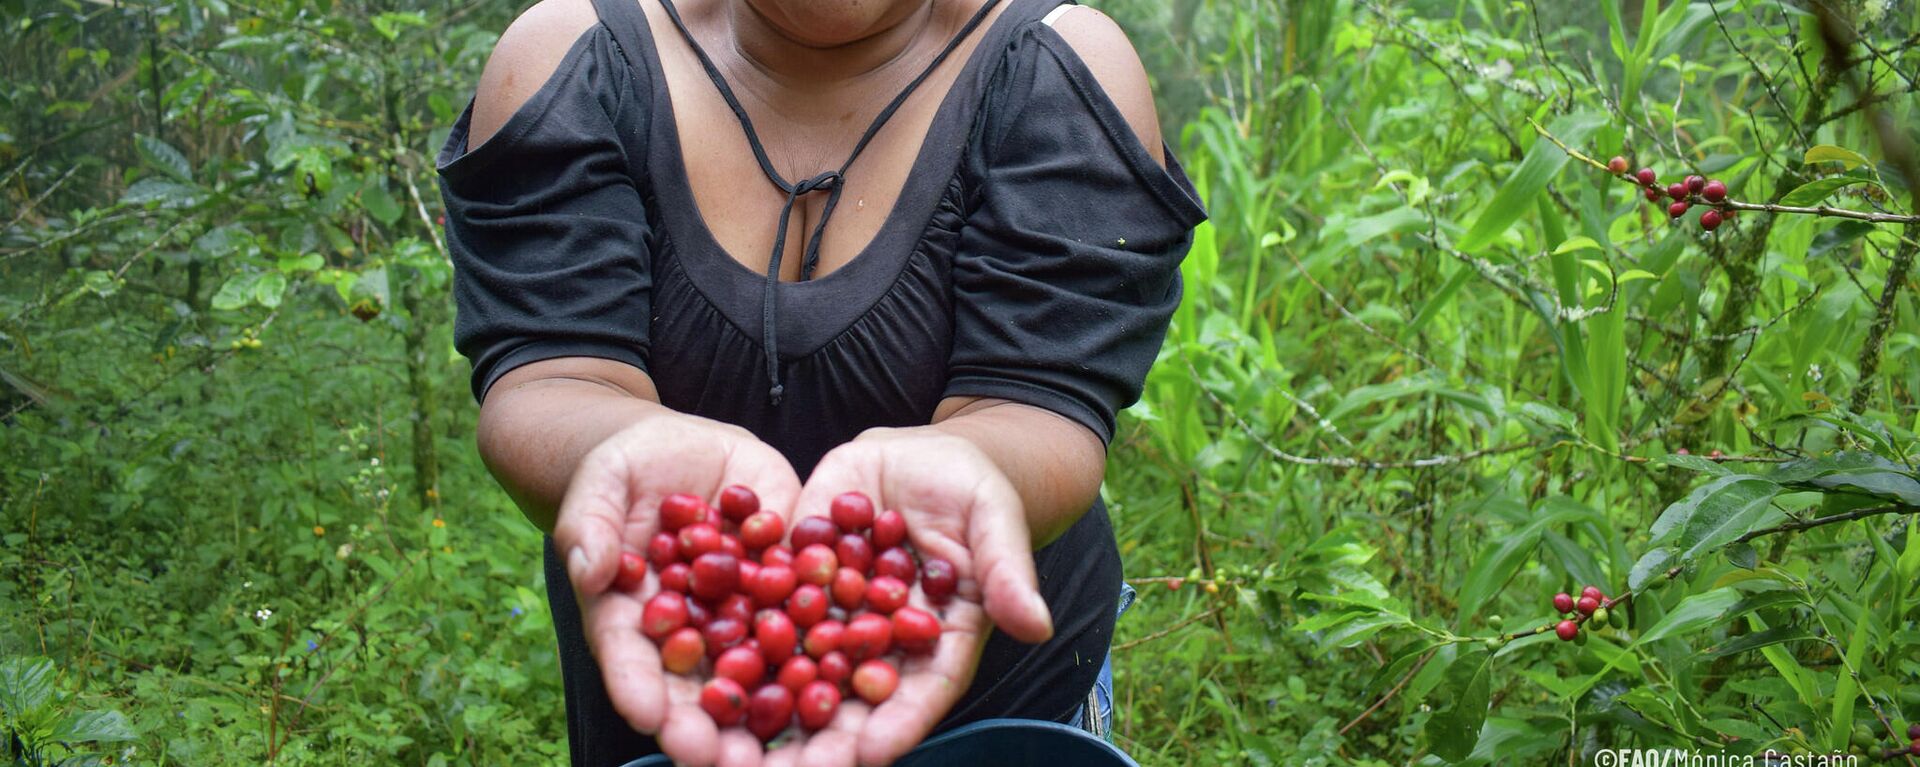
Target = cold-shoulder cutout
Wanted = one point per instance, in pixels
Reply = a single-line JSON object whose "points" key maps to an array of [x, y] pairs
{"points": [[1116, 66], [524, 59]]}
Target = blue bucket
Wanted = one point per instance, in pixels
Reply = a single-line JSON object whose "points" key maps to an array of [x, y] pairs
{"points": [[999, 742]]}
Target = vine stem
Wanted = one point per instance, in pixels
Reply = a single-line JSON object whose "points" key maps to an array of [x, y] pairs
{"points": [[1806, 524], [1184, 622]]}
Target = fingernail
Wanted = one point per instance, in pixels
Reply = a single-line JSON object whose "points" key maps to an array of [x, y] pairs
{"points": [[576, 564], [1039, 605]]}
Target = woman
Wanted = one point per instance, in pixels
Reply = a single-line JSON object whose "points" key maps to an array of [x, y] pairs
{"points": [[915, 248]]}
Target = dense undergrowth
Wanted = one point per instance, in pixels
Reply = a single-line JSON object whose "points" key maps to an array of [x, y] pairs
{"points": [[1435, 364]]}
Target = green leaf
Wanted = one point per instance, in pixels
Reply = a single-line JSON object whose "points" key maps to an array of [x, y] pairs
{"points": [[1653, 564], [305, 262], [1847, 158], [1692, 614], [1453, 730], [1575, 244], [94, 727], [380, 204], [389, 24], [1515, 196], [1694, 463], [268, 289], [1813, 192], [164, 158], [1757, 640], [1742, 555], [1714, 513], [236, 292], [26, 684], [1503, 557]]}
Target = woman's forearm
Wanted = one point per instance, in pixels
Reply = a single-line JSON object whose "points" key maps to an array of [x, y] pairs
{"points": [[540, 419], [1055, 465]]}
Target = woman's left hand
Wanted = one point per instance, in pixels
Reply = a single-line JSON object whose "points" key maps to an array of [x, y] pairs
{"points": [[960, 507]]}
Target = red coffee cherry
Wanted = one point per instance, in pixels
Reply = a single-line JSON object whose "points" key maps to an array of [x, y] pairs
{"points": [[736, 606], [663, 550], [889, 529], [1710, 220], [875, 680], [716, 575], [1617, 165], [1677, 190], [1677, 210], [698, 616], [895, 563], [816, 565], [798, 672], [886, 594], [849, 588], [915, 630], [680, 509], [1913, 731], [674, 577], [1646, 177], [724, 700], [748, 569], [722, 634], [737, 502], [811, 530], [1714, 191], [775, 632], [1563, 602], [732, 545], [834, 667], [761, 530], [1567, 630], [771, 585], [869, 635], [1587, 605], [938, 580], [851, 512], [1593, 591], [742, 665], [664, 614], [825, 637], [1695, 184], [1653, 194], [769, 711], [777, 555], [698, 538], [807, 606], [854, 552], [818, 702], [683, 650], [633, 571]]}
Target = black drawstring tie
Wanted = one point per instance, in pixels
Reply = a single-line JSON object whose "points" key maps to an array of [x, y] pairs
{"points": [[832, 181]]}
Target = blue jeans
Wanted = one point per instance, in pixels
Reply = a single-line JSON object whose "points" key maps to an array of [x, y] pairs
{"points": [[1100, 698]]}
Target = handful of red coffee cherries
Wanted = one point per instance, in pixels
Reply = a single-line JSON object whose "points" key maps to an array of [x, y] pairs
{"points": [[783, 631]]}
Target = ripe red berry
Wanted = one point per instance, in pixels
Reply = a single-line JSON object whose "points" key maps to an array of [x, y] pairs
{"points": [[895, 563], [722, 634], [1914, 747], [761, 530], [771, 585], [769, 711], [732, 545], [777, 555], [633, 570], [737, 606], [724, 700], [698, 616], [834, 667], [811, 530], [716, 575], [889, 529], [1617, 165], [742, 665], [1677, 210], [1714, 191], [938, 580], [1563, 602], [1646, 177], [683, 650], [915, 630], [1653, 194], [748, 569], [886, 594], [807, 606], [1710, 220], [815, 564], [698, 538], [674, 577], [824, 637], [817, 704], [1593, 591], [775, 632], [1677, 190], [849, 588], [1913, 731], [1587, 605], [1695, 184], [664, 614], [852, 512], [798, 672], [663, 550], [854, 551], [680, 509], [737, 502], [874, 681], [869, 635], [1567, 630]]}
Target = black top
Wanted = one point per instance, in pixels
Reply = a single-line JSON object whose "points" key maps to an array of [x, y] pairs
{"points": [[1031, 256]]}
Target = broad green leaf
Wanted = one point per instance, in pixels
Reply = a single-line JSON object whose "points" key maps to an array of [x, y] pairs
{"points": [[164, 158], [1392, 670], [236, 292], [1757, 640], [1692, 614], [380, 204], [1694, 463], [1653, 564], [268, 289], [94, 727], [1742, 555], [1813, 192], [305, 262], [1497, 563], [1575, 244], [1515, 196], [1453, 730], [25, 685], [1847, 158], [1714, 513]]}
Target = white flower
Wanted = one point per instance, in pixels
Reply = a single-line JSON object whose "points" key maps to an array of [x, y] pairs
{"points": [[247, 585], [376, 461], [263, 613], [383, 493], [1813, 371], [345, 550]]}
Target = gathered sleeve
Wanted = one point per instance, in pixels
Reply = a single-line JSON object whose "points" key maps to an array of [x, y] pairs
{"points": [[546, 226], [1068, 266]]}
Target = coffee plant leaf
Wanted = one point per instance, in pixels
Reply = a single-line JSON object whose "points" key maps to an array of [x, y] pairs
{"points": [[1757, 640], [1847, 158], [1694, 463], [1515, 196], [1454, 730], [1818, 190], [1695, 612], [164, 158], [1503, 557], [94, 727]]}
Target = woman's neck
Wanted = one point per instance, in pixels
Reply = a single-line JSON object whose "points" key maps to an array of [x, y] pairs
{"points": [[786, 56]]}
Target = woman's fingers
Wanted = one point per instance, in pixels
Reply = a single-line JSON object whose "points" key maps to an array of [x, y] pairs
{"points": [[1002, 550], [928, 688], [592, 519], [739, 748], [689, 736], [837, 745], [630, 663]]}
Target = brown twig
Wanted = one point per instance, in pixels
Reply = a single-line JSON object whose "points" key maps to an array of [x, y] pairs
{"points": [[1163, 633]]}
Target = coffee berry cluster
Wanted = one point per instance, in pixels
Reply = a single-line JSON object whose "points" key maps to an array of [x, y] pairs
{"points": [[1592, 606], [780, 632], [1864, 741], [1683, 195]]}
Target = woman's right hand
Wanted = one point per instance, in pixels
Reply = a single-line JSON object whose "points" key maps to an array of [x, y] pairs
{"points": [[613, 504]]}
